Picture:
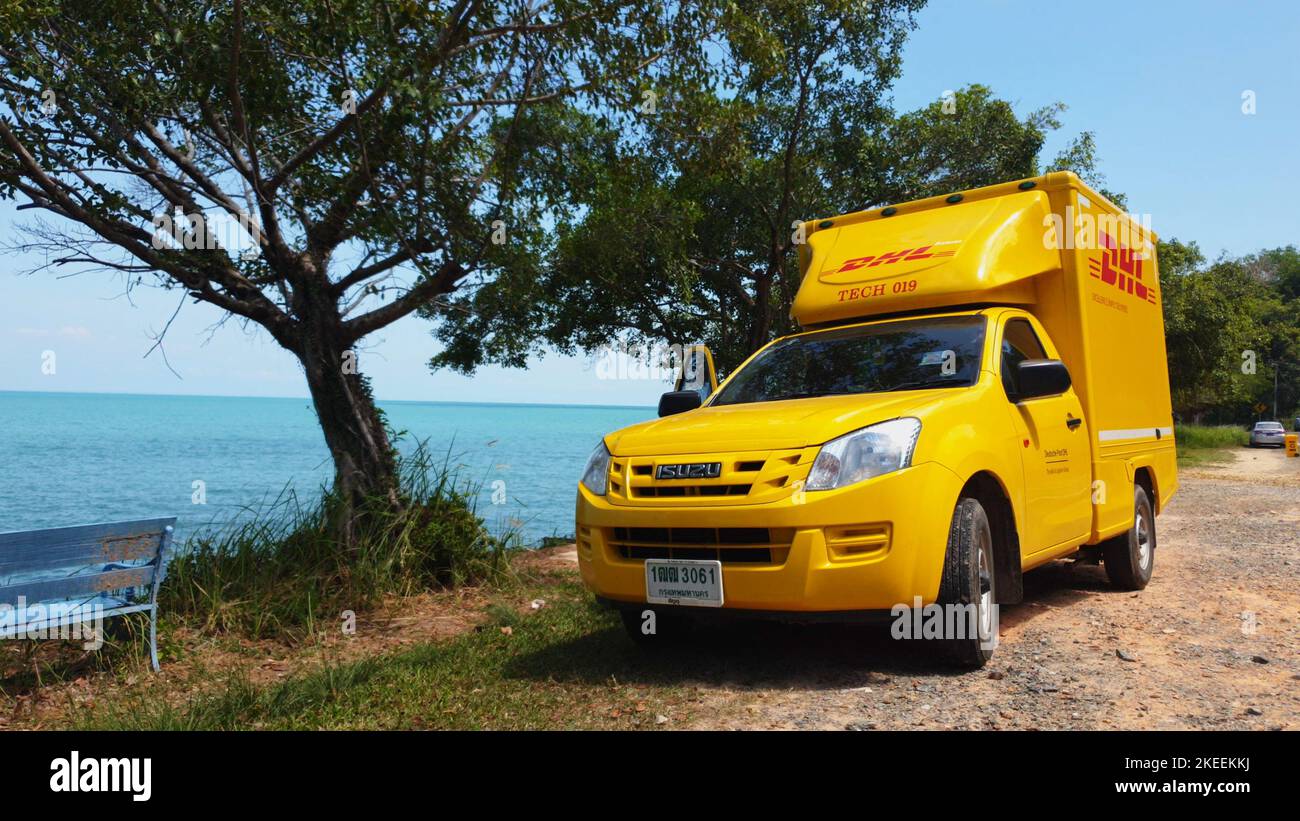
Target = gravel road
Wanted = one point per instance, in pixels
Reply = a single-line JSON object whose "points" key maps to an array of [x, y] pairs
{"points": [[1211, 643]]}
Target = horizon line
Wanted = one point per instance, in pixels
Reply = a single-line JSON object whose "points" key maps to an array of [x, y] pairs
{"points": [[309, 399]]}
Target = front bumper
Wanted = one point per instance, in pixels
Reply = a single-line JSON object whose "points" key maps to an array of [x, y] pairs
{"points": [[829, 566]]}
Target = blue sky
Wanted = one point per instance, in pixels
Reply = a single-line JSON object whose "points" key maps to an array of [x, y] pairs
{"points": [[1159, 84]]}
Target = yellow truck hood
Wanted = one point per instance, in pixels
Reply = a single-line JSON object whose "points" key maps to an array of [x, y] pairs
{"points": [[793, 423]]}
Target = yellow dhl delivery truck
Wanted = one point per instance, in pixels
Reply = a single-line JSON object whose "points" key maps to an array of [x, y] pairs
{"points": [[980, 388]]}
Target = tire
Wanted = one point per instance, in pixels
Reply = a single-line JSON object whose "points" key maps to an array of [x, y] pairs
{"points": [[968, 578], [1131, 557], [669, 627]]}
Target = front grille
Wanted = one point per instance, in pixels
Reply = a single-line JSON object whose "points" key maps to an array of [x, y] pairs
{"points": [[747, 545], [742, 478], [689, 490]]}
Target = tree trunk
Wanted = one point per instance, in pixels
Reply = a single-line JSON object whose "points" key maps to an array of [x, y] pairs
{"points": [[365, 466], [760, 323]]}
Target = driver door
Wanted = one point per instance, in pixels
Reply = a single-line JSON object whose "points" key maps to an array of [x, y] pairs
{"points": [[1054, 451]]}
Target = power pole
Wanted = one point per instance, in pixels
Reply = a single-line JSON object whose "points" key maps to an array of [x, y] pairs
{"points": [[1275, 416]]}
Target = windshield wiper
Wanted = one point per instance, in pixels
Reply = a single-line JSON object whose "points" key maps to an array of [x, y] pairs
{"points": [[803, 395], [935, 382]]}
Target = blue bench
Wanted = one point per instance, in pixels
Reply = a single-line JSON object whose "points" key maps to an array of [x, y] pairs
{"points": [[66, 577]]}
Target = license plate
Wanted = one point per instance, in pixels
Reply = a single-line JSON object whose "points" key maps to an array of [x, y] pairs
{"points": [[684, 582]]}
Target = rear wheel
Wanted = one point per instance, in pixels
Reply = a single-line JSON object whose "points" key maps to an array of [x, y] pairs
{"points": [[1131, 557], [969, 581]]}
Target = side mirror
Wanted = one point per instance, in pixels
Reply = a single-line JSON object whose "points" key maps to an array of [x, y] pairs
{"points": [[1041, 377], [678, 402]]}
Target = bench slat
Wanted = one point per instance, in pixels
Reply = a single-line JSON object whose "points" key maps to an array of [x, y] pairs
{"points": [[86, 584], [124, 549], [19, 623], [13, 539]]}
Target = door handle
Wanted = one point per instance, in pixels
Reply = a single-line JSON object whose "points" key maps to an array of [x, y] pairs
{"points": [[1072, 423]]}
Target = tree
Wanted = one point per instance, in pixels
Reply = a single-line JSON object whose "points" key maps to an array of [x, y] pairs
{"points": [[1278, 271], [1219, 346], [685, 231], [367, 151]]}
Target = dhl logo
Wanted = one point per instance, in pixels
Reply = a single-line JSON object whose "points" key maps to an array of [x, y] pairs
{"points": [[890, 257], [1122, 268]]}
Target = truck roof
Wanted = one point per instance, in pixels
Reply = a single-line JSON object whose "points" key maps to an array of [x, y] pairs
{"points": [[983, 246]]}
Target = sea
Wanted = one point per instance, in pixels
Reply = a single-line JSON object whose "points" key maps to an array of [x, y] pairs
{"points": [[70, 458]]}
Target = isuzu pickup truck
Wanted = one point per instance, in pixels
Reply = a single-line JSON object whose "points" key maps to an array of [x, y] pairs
{"points": [[979, 388]]}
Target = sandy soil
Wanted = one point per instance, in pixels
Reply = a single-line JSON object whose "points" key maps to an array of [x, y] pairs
{"points": [[1211, 643]]}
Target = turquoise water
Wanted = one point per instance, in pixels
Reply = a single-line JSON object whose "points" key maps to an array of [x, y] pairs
{"points": [[78, 458]]}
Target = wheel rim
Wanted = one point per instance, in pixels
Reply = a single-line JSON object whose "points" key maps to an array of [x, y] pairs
{"points": [[1143, 541], [985, 570]]}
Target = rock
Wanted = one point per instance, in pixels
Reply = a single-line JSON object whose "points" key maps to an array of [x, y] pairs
{"points": [[1124, 655], [1254, 711], [507, 631], [661, 719], [1259, 659], [537, 604], [997, 675]]}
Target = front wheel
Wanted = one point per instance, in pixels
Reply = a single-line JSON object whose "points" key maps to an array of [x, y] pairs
{"points": [[970, 584], [1131, 557]]}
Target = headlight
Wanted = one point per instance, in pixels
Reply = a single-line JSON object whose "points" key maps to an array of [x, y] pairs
{"points": [[864, 454], [596, 476]]}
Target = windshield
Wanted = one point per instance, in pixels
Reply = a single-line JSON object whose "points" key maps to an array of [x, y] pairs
{"points": [[908, 354]]}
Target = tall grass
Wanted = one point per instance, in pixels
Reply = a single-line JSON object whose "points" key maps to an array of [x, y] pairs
{"points": [[280, 571], [1195, 437], [1200, 445]]}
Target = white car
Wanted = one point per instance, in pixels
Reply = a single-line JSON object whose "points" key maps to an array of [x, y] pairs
{"points": [[1267, 433]]}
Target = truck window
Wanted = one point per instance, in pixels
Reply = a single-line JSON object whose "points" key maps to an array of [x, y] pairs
{"points": [[911, 354], [1019, 342]]}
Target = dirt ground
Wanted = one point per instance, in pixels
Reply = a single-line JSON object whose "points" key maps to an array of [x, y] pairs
{"points": [[1211, 643]]}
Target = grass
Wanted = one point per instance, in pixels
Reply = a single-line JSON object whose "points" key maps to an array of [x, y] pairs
{"points": [[1206, 444], [279, 572], [566, 666]]}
